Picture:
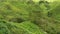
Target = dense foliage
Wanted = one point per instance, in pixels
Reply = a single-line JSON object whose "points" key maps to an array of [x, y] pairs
{"points": [[29, 17]]}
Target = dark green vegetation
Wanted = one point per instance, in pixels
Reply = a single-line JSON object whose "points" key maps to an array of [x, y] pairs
{"points": [[28, 17]]}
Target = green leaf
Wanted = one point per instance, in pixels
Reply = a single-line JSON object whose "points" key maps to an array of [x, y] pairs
{"points": [[19, 28], [29, 27]]}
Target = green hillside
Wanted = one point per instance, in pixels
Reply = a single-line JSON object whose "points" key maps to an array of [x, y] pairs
{"points": [[29, 17]]}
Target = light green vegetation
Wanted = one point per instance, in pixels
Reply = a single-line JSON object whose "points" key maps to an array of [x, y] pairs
{"points": [[29, 17]]}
